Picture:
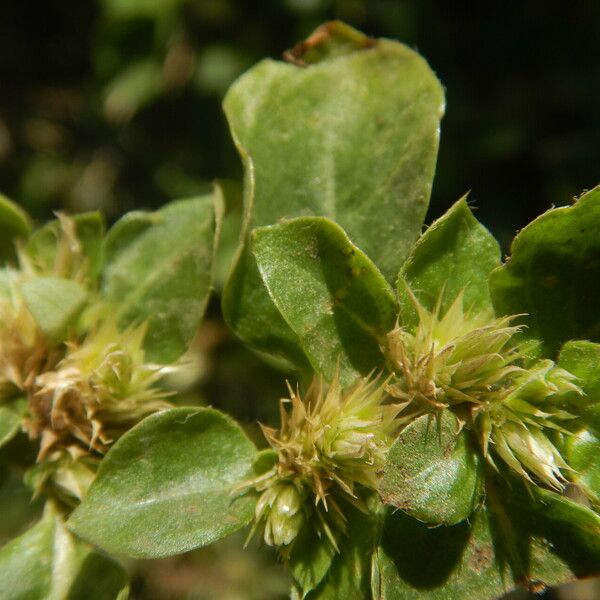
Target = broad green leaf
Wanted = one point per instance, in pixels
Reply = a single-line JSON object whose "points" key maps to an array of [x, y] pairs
{"points": [[582, 358], [168, 486], [349, 132], [329, 293], [432, 472], [160, 272], [553, 275], [456, 254], [126, 230], [11, 414], [42, 246], [54, 303], [462, 562], [583, 456], [14, 224], [48, 563]]}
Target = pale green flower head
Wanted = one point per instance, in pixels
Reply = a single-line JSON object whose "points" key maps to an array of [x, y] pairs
{"points": [[100, 389], [472, 364], [331, 444]]}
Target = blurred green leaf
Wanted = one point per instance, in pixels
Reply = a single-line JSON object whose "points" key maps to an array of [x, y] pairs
{"points": [[48, 562], [11, 414], [353, 136], [43, 248], [432, 473], [456, 254], [582, 358], [159, 271], [14, 224], [55, 304], [168, 486], [553, 275], [330, 294], [583, 455]]}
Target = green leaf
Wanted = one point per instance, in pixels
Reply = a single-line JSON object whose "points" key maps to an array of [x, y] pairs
{"points": [[249, 311], [462, 562], [160, 272], [42, 246], [456, 254], [432, 472], [583, 456], [167, 486], [329, 293], [350, 572], [11, 415], [310, 560], [353, 136], [583, 360], [14, 224], [553, 275], [47, 562], [54, 303]]}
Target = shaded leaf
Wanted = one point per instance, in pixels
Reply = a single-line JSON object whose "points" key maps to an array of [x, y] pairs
{"points": [[461, 562], [350, 572], [582, 358], [42, 246], [55, 304], [11, 414], [47, 562], [553, 275], [167, 486], [14, 225], [432, 472], [583, 455], [349, 132], [160, 273], [455, 254]]}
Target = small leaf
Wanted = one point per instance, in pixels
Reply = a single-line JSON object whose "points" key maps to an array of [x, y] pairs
{"points": [[310, 560], [14, 224], [583, 456], [455, 254], [55, 304], [432, 472], [582, 358], [250, 312], [11, 415], [160, 272], [349, 132], [42, 246], [167, 486], [350, 572], [329, 293], [47, 562], [553, 275]]}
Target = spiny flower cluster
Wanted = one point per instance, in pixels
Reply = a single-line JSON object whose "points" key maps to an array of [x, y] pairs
{"points": [[330, 444], [99, 390], [471, 364], [82, 394]]}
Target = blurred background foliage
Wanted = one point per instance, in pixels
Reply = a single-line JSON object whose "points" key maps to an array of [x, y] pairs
{"points": [[115, 105]]}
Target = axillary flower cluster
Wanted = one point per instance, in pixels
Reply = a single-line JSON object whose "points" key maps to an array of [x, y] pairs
{"points": [[473, 365], [81, 393], [330, 448]]}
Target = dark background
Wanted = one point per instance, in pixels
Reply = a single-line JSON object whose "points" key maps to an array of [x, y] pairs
{"points": [[115, 104]]}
